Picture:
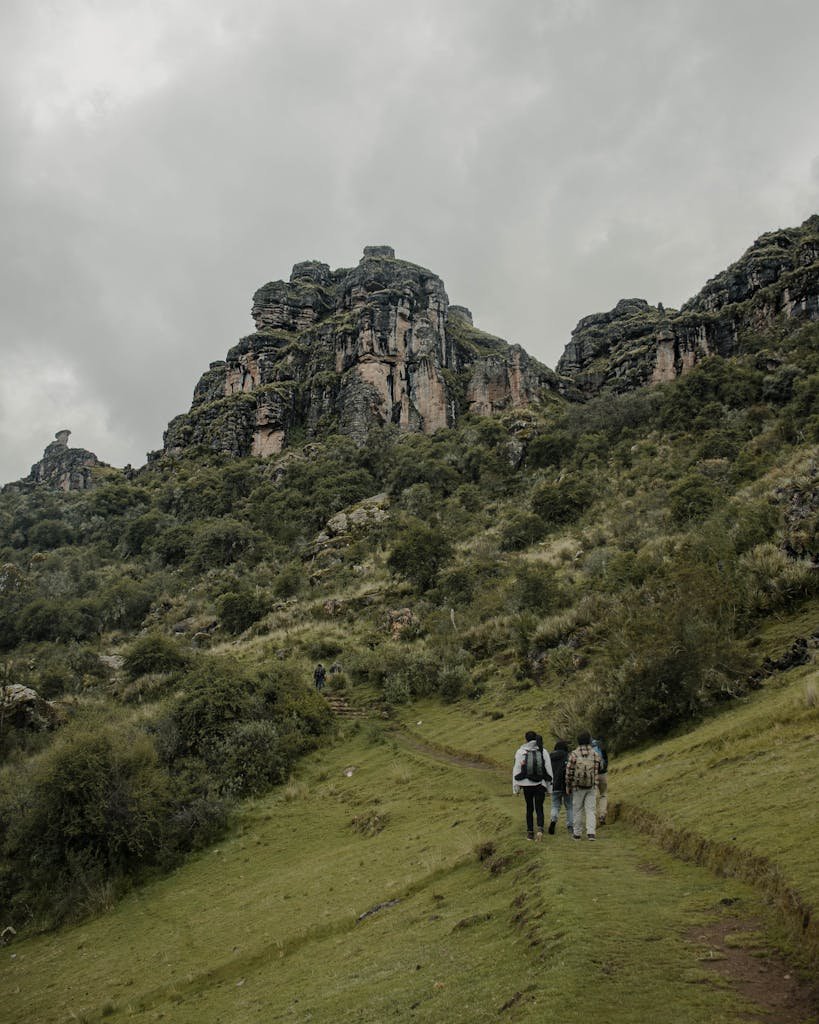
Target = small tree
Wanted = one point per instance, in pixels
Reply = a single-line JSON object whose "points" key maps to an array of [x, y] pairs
{"points": [[420, 555]]}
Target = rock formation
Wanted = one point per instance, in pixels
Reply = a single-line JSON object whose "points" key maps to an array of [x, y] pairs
{"points": [[62, 468], [344, 350], [636, 344]]}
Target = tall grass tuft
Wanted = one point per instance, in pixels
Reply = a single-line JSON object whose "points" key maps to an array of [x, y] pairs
{"points": [[295, 790]]}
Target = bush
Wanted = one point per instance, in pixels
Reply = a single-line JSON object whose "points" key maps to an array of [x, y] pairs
{"points": [[692, 498], [215, 696], [563, 501], [773, 581], [48, 534], [452, 681], [220, 542], [154, 653], [521, 530], [59, 620], [250, 758], [420, 555], [536, 589], [92, 809], [290, 580], [126, 603], [238, 610]]}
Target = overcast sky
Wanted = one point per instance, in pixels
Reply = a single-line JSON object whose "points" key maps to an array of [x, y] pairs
{"points": [[161, 159]]}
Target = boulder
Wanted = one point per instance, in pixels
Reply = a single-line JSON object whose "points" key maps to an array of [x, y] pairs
{"points": [[23, 708]]}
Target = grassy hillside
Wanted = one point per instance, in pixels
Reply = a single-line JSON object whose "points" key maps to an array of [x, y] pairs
{"points": [[466, 920], [638, 565]]}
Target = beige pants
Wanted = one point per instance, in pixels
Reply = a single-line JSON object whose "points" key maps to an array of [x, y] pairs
{"points": [[602, 799], [584, 801]]}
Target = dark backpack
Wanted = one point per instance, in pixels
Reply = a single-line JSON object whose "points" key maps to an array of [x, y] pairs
{"points": [[533, 767], [559, 759]]}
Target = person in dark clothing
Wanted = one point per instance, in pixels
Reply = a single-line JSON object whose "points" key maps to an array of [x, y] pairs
{"points": [[559, 757], [318, 677]]}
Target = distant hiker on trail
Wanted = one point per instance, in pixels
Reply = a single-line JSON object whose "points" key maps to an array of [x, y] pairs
{"points": [[582, 770], [532, 774], [602, 780], [335, 668], [559, 756], [318, 677]]}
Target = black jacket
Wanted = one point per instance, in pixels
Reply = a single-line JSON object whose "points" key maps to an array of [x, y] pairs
{"points": [[559, 759]]}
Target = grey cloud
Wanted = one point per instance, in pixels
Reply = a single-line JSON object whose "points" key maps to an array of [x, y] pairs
{"points": [[546, 159]]}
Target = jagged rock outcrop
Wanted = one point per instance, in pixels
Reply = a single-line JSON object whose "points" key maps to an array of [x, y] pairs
{"points": [[62, 468], [637, 344], [344, 350]]}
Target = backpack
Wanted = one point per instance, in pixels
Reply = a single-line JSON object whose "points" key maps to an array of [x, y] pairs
{"points": [[559, 759], [533, 767], [604, 757], [583, 771]]}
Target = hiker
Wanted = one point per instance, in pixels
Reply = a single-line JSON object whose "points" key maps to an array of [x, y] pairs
{"points": [[559, 756], [318, 677], [602, 780], [582, 770], [335, 669], [532, 774]]}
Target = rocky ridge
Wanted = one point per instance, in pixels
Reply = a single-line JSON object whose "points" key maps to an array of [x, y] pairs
{"points": [[635, 344], [62, 468], [345, 350], [349, 349]]}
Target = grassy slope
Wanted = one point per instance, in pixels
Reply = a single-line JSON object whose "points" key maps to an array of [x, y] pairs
{"points": [[265, 926], [742, 778]]}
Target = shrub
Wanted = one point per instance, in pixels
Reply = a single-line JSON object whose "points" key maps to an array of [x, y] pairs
{"points": [[93, 808], [290, 580], [152, 653], [452, 681], [215, 696], [562, 501], [238, 610], [249, 758], [397, 690], [126, 603], [692, 498], [420, 555], [536, 589], [773, 581], [48, 534], [219, 542], [63, 620], [521, 530]]}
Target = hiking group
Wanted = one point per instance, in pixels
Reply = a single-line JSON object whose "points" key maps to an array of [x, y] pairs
{"points": [[576, 780]]}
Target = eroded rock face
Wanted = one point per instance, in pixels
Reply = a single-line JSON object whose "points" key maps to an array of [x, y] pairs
{"points": [[636, 344], [344, 350], [62, 468]]}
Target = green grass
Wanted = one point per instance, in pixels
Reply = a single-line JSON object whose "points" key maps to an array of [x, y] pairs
{"points": [[267, 925]]}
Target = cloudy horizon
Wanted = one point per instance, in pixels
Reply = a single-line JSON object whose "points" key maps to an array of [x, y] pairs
{"points": [[165, 158]]}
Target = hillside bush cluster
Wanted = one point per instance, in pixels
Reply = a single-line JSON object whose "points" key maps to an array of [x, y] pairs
{"points": [[110, 799]]}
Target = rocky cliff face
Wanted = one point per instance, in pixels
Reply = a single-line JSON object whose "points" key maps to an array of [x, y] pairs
{"points": [[635, 344], [343, 350], [62, 468]]}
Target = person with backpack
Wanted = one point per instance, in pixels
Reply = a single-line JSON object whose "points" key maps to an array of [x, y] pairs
{"points": [[602, 780], [319, 675], [532, 775], [558, 757], [582, 771]]}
